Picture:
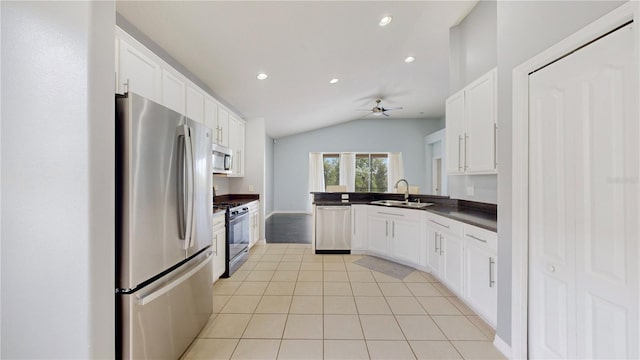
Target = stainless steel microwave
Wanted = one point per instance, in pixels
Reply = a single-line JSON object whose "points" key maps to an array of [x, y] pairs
{"points": [[221, 159]]}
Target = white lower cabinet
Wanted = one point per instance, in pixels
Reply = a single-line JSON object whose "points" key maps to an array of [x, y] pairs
{"points": [[378, 231], [452, 262], [219, 238], [445, 251], [396, 234], [358, 227], [480, 262], [254, 222]]}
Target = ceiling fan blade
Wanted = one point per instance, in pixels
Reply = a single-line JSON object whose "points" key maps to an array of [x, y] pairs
{"points": [[393, 108], [363, 110], [385, 114]]}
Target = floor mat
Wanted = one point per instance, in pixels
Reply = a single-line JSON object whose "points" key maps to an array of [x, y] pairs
{"points": [[386, 267]]}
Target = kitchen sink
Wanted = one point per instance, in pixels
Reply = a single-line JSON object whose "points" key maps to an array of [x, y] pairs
{"points": [[400, 203]]}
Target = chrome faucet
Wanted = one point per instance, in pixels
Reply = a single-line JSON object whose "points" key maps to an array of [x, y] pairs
{"points": [[406, 192]]}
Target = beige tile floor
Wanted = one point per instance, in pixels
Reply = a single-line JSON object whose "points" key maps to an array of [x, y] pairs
{"points": [[287, 303]]}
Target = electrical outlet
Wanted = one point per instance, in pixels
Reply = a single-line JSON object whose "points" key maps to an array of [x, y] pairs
{"points": [[345, 196], [470, 190], [250, 188]]}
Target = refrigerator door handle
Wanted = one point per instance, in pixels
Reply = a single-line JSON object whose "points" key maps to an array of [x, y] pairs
{"points": [[190, 190], [181, 189], [185, 184], [147, 298]]}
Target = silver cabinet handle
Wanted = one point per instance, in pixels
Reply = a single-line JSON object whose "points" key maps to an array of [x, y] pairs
{"points": [[435, 222], [393, 229], [491, 281], [384, 213], [476, 238], [354, 221], [459, 152], [495, 145], [441, 251], [435, 242], [466, 151], [386, 228]]}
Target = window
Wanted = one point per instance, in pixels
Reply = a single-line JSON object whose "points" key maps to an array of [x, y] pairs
{"points": [[371, 172], [331, 169]]}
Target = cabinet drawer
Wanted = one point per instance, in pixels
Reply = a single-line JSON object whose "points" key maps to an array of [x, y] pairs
{"points": [[481, 237], [443, 224]]}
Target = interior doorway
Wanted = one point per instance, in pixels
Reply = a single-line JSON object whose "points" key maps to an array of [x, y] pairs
{"points": [[435, 156], [436, 181]]}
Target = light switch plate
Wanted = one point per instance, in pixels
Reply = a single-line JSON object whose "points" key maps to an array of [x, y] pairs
{"points": [[470, 190]]}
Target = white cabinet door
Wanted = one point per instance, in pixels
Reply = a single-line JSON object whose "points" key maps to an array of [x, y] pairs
{"points": [[406, 241], [480, 136], [584, 159], [358, 226], [211, 117], [236, 143], [433, 251], [138, 72], [219, 241], [378, 234], [223, 124], [480, 280], [173, 91], [452, 262], [195, 104], [455, 112]]}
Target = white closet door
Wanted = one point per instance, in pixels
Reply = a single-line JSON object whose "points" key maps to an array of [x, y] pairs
{"points": [[583, 230]]}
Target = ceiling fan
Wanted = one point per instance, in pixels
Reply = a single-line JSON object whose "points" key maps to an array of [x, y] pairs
{"points": [[380, 110]]}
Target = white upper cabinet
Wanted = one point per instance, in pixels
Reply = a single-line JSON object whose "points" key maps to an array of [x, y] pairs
{"points": [[138, 72], [210, 116], [173, 91], [195, 103], [236, 144], [223, 127], [455, 133], [471, 128]]}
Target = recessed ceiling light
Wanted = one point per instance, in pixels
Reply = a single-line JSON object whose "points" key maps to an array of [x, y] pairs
{"points": [[385, 21], [409, 59], [262, 76], [333, 81]]}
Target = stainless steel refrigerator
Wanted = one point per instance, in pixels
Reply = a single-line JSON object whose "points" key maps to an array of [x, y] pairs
{"points": [[164, 225]]}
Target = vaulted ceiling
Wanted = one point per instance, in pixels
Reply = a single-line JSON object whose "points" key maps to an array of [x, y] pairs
{"points": [[301, 46]]}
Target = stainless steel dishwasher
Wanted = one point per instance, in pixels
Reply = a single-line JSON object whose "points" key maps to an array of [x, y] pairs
{"points": [[333, 229]]}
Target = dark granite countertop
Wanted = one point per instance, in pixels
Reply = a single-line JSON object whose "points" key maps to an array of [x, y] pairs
{"points": [[473, 213]]}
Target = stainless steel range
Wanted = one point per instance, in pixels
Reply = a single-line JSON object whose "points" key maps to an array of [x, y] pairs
{"points": [[237, 244]]}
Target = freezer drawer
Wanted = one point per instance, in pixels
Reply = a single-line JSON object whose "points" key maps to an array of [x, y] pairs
{"points": [[160, 321], [333, 229]]}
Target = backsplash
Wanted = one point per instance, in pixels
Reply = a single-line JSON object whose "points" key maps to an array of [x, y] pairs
{"points": [[221, 184]]}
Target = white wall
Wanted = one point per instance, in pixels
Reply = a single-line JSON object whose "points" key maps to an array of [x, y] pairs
{"points": [[291, 154], [525, 28], [57, 180], [473, 53], [472, 46], [254, 166], [268, 191]]}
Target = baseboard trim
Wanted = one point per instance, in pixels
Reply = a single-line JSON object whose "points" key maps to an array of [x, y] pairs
{"points": [[502, 346], [269, 215]]}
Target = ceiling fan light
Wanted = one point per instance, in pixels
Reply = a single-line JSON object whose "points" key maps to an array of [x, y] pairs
{"points": [[385, 21], [262, 76], [377, 113], [333, 81], [409, 59]]}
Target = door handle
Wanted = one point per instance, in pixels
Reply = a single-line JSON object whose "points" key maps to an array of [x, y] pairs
{"points": [[435, 242], [441, 252]]}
